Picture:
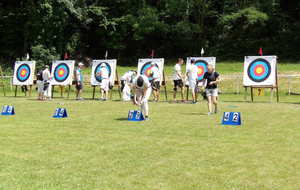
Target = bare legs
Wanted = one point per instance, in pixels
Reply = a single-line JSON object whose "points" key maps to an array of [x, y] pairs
{"points": [[212, 100]]}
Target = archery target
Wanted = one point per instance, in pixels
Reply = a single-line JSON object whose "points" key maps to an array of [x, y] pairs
{"points": [[201, 63], [146, 65], [260, 71], [24, 72], [62, 72], [111, 68]]}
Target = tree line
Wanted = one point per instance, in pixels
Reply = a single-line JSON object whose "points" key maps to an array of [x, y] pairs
{"points": [[128, 29]]}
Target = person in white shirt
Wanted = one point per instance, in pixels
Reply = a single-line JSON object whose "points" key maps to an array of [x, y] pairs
{"points": [[178, 79], [104, 87], [47, 83], [192, 75], [126, 81], [155, 81], [142, 88], [79, 81]]}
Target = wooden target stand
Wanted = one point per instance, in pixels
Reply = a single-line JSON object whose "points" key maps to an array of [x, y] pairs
{"points": [[62, 90], [30, 90], [270, 87], [164, 84], [116, 83], [2, 83]]}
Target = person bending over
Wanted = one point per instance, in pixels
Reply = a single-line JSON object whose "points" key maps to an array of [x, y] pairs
{"points": [[178, 79], [142, 88], [126, 81], [212, 79]]}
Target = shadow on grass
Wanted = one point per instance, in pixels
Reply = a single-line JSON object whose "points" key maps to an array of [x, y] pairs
{"points": [[200, 114], [121, 119]]}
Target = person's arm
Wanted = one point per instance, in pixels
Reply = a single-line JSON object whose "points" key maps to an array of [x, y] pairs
{"points": [[78, 76], [134, 100], [216, 81]]}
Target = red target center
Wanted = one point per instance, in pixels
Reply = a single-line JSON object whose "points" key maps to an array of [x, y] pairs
{"points": [[200, 70], [259, 70], [23, 72], [148, 71], [61, 72]]}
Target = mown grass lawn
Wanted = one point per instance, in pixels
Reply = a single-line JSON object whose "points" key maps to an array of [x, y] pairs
{"points": [[179, 148]]}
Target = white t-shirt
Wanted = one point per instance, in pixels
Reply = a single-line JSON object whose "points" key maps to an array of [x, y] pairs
{"points": [[146, 83], [177, 72], [128, 76], [46, 75], [104, 73], [155, 74], [192, 71]]}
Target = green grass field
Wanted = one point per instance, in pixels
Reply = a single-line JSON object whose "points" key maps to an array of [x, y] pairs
{"points": [[179, 148]]}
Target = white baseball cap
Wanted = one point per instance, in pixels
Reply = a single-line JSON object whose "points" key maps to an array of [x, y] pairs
{"points": [[80, 64]]}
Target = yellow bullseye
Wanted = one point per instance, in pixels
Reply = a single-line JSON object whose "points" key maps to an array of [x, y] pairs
{"points": [[61, 72], [200, 71], [259, 70], [23, 73]]}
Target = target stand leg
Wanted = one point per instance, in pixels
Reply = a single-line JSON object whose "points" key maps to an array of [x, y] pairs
{"points": [[30, 88], [277, 94], [52, 92], [69, 91], [166, 93], [3, 90], [16, 89], [110, 94], [246, 94], [94, 89], [187, 93], [251, 94]]}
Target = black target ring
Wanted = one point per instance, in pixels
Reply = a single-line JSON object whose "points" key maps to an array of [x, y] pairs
{"points": [[23, 68], [259, 70]]}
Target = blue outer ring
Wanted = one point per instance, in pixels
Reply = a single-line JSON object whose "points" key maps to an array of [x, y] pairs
{"points": [[253, 64], [66, 74], [23, 66], [204, 64], [97, 70]]}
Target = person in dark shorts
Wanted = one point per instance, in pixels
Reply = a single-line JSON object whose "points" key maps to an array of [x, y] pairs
{"points": [[212, 79], [155, 83], [79, 81], [178, 79]]}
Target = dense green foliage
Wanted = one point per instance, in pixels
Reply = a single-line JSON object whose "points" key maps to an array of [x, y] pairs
{"points": [[129, 29]]}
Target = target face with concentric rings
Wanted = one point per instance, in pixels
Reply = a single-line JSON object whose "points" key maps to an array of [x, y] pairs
{"points": [[98, 69], [61, 72], [23, 72], [259, 70], [202, 68], [146, 70]]}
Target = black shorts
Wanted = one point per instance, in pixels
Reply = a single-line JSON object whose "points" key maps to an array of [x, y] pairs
{"points": [[79, 86], [178, 83], [155, 85]]}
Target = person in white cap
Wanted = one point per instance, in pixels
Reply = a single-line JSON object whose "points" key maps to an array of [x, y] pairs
{"points": [[104, 87], [47, 83], [126, 81], [79, 81], [142, 89], [192, 75], [155, 82]]}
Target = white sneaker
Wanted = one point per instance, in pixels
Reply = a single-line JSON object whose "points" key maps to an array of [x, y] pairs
{"points": [[209, 113]]}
